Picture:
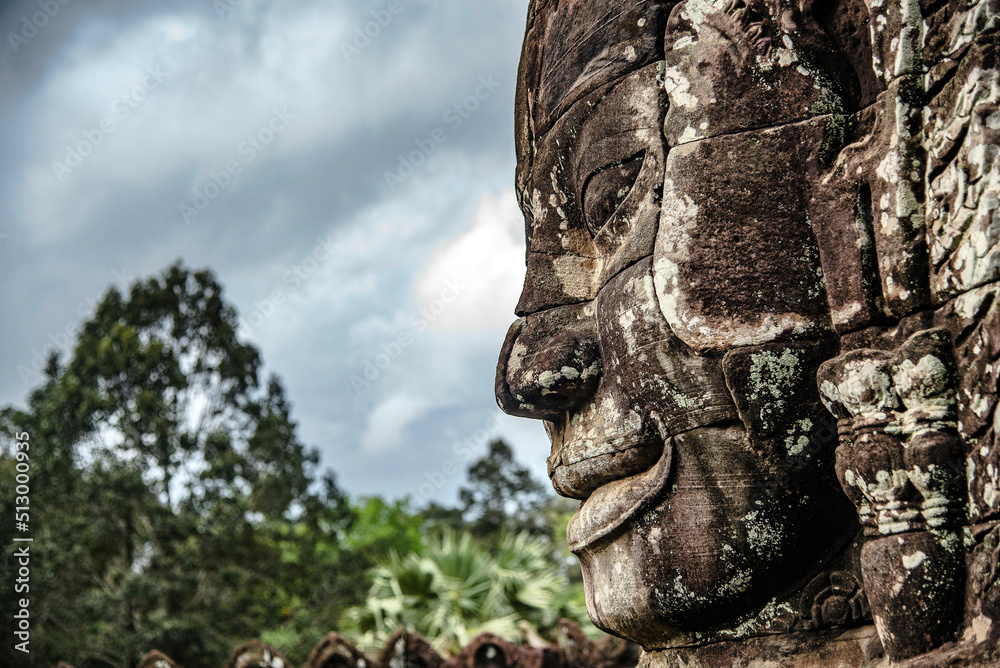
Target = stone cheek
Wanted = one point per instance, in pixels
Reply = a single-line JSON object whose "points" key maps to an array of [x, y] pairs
{"points": [[650, 368], [697, 558], [736, 262], [650, 388]]}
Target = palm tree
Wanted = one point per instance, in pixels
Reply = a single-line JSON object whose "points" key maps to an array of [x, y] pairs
{"points": [[456, 589]]}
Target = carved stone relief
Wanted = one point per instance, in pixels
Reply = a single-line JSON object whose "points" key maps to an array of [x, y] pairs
{"points": [[760, 321]]}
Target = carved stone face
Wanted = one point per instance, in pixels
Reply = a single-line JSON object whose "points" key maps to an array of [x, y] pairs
{"points": [[674, 311]]}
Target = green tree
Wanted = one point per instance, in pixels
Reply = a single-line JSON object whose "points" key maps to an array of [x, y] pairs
{"points": [[443, 518], [501, 493], [332, 563], [166, 479]]}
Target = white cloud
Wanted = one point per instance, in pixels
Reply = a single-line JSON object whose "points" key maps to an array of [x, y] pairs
{"points": [[487, 261], [388, 422]]}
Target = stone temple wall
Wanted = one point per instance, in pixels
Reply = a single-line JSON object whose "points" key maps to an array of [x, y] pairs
{"points": [[409, 650]]}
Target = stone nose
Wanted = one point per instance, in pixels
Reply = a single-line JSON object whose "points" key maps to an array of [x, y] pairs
{"points": [[550, 362]]}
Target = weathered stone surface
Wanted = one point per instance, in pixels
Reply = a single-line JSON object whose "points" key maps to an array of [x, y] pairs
{"points": [[152, 659], [974, 322], [736, 262], [571, 49], [551, 362], [774, 388], [843, 221], [951, 26], [778, 193], [592, 204], [735, 66], [897, 30], [847, 23], [557, 280], [913, 586], [491, 651], [962, 128], [982, 618], [575, 46], [335, 651], [840, 648], [868, 213], [902, 461], [257, 654]]}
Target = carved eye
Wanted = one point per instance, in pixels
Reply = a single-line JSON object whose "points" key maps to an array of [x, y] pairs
{"points": [[607, 188]]}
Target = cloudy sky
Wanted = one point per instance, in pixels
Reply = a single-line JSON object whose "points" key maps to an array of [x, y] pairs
{"points": [[325, 175]]}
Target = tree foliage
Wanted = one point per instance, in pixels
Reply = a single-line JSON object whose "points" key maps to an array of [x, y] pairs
{"points": [[173, 507], [169, 483], [457, 587], [502, 494]]}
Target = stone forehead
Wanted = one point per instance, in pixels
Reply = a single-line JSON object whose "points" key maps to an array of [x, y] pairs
{"points": [[573, 47]]}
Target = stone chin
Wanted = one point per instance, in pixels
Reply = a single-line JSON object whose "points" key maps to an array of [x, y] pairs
{"points": [[688, 552]]}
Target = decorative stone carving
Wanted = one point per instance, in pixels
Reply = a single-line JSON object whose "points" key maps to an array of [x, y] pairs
{"points": [[152, 659], [257, 654], [760, 320], [902, 461], [335, 651], [832, 599], [490, 651]]}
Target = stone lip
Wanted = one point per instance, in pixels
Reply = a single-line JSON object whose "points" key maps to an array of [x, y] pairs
{"points": [[580, 466], [612, 506]]}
